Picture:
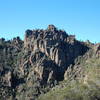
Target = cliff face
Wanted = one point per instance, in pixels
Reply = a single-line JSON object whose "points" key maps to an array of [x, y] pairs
{"points": [[38, 62], [55, 45]]}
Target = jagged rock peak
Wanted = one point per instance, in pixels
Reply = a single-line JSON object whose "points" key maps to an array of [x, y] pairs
{"points": [[55, 44], [2, 39], [28, 32], [51, 27], [48, 37]]}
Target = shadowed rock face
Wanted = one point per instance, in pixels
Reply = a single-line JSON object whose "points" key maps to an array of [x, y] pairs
{"points": [[41, 59]]}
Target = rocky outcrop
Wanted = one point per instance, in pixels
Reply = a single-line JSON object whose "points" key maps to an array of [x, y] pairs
{"points": [[49, 53], [56, 44], [43, 59]]}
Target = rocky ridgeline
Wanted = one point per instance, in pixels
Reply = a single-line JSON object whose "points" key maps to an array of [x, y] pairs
{"points": [[53, 44], [39, 61]]}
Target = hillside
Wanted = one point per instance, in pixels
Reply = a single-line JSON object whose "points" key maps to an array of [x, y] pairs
{"points": [[83, 85], [49, 65]]}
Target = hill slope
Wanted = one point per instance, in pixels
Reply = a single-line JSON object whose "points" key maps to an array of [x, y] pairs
{"points": [[78, 87], [47, 59]]}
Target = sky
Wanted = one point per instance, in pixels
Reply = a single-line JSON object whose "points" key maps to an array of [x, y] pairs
{"points": [[78, 17]]}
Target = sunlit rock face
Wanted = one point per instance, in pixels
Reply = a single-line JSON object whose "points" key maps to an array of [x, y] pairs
{"points": [[54, 44]]}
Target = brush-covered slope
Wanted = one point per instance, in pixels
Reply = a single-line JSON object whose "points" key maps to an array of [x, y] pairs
{"points": [[81, 83]]}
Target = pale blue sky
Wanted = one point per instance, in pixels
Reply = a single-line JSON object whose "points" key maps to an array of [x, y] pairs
{"points": [[79, 17]]}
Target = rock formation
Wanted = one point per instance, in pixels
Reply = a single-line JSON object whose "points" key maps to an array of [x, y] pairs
{"points": [[41, 60]]}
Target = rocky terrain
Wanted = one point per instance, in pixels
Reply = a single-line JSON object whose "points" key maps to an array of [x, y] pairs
{"points": [[49, 65]]}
